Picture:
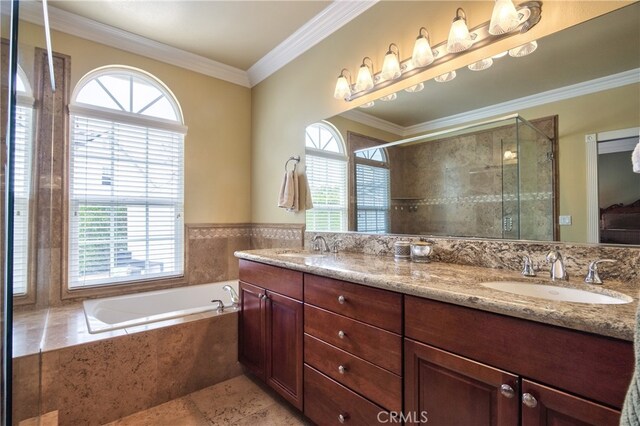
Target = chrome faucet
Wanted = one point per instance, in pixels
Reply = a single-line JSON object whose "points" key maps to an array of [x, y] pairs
{"points": [[527, 267], [220, 308], [336, 245], [316, 244], [558, 271], [235, 300], [592, 274]]}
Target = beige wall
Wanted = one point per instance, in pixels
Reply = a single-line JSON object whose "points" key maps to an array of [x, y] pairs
{"points": [[301, 92], [217, 113]]}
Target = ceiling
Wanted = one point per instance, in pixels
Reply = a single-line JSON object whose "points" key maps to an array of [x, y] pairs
{"points": [[236, 33], [598, 48]]}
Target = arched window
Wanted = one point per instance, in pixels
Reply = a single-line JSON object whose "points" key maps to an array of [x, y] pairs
{"points": [[326, 162], [126, 179], [372, 191], [22, 182]]}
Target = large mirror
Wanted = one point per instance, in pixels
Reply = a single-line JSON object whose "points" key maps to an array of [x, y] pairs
{"points": [[581, 81]]}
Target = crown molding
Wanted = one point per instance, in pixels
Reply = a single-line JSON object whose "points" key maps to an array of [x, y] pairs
{"points": [[79, 26], [579, 89], [325, 23], [375, 122]]}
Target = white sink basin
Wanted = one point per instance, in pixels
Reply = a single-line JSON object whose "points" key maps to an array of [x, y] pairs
{"points": [[561, 294], [301, 255]]}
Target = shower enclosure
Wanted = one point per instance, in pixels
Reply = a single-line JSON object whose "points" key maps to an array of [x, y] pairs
{"points": [[32, 134], [494, 179]]}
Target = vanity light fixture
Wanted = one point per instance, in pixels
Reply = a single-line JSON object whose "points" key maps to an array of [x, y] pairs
{"points": [[423, 55], [524, 50], [426, 55], [343, 86], [505, 18], [413, 89], [389, 97], [365, 76], [367, 105], [448, 76], [501, 55], [391, 65], [459, 37], [481, 65]]}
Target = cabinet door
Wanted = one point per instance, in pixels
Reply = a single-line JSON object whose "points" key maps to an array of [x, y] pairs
{"points": [[547, 406], [251, 336], [445, 389], [284, 347]]}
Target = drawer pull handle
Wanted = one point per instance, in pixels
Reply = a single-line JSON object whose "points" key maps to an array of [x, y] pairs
{"points": [[507, 391], [343, 418], [342, 369], [529, 400], [341, 334], [341, 299]]}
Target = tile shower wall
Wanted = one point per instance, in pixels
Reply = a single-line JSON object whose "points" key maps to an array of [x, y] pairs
{"points": [[463, 186]]}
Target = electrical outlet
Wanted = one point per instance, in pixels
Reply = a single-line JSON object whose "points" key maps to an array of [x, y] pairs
{"points": [[565, 220]]}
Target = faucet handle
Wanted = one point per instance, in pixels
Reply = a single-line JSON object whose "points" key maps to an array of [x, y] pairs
{"points": [[592, 274], [527, 267], [336, 245]]}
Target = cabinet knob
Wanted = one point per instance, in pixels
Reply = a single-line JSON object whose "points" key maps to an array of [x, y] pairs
{"points": [[341, 334], [341, 299], [264, 297], [529, 400], [342, 369], [507, 391], [343, 418]]}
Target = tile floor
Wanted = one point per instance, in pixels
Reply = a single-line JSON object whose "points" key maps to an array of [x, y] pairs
{"points": [[238, 401]]}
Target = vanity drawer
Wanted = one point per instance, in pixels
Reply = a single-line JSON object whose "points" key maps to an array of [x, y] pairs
{"points": [[365, 341], [374, 306], [369, 380], [280, 280], [325, 400]]}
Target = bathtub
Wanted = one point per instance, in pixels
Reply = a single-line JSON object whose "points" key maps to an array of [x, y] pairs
{"points": [[119, 312]]}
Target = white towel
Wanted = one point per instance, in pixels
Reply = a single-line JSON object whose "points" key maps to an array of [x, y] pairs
{"points": [[635, 159], [305, 192], [287, 191]]}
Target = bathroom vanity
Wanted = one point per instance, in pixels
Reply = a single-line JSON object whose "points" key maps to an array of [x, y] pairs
{"points": [[359, 339]]}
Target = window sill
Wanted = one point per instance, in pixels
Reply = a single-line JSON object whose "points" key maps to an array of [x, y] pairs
{"points": [[108, 290]]}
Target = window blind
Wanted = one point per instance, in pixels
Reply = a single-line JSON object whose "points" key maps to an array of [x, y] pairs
{"points": [[126, 202], [22, 190], [328, 183], [372, 198]]}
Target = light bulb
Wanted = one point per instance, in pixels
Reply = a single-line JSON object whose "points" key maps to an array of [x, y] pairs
{"points": [[504, 18], [459, 37], [343, 88], [422, 53], [448, 76], [417, 88], [365, 79], [390, 66], [481, 65], [524, 50]]}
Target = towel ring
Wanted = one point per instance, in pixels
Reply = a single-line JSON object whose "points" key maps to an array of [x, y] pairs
{"points": [[295, 158]]}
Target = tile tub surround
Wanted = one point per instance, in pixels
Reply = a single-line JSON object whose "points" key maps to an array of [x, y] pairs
{"points": [[500, 254], [460, 285], [94, 379]]}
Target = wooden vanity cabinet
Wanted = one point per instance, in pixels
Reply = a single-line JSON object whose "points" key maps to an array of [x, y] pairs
{"points": [[270, 327], [462, 357]]}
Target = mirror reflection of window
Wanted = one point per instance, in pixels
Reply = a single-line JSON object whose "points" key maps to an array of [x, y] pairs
{"points": [[326, 168], [372, 191], [22, 183]]}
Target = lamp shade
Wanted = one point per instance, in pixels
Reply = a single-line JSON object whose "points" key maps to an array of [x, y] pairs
{"points": [[448, 76], [389, 97], [459, 37], [364, 80], [481, 65], [524, 50], [422, 53], [504, 18], [390, 66], [343, 88], [417, 88]]}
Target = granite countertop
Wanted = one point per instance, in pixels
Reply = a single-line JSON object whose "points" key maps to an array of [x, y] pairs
{"points": [[460, 285]]}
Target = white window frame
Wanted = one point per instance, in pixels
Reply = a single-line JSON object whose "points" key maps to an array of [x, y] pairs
{"points": [[370, 159], [341, 157], [88, 111]]}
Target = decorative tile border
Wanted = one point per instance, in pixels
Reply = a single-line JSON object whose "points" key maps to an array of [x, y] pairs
{"points": [[475, 199]]}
